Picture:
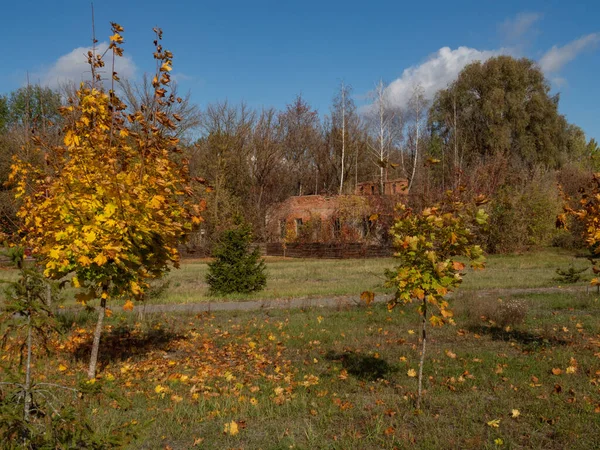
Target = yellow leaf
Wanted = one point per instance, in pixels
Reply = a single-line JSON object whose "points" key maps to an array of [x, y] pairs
{"points": [[495, 423], [176, 398], [128, 306], [71, 139], [54, 253], [84, 261], [157, 201], [109, 210], [571, 369], [159, 389], [450, 354], [100, 259], [411, 331], [411, 373], [62, 367], [515, 413], [166, 67], [90, 237], [116, 38], [135, 288], [231, 428]]}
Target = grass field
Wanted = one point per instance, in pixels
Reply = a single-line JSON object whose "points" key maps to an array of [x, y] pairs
{"points": [[341, 379], [520, 372], [310, 278]]}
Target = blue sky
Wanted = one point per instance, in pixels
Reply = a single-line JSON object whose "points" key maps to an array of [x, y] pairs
{"points": [[265, 53]]}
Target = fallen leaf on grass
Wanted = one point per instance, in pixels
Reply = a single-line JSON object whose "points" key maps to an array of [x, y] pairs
{"points": [[128, 306], [231, 428], [515, 413], [495, 423], [556, 371], [411, 373]]}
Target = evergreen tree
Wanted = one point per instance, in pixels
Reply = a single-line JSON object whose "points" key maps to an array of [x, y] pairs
{"points": [[236, 267]]}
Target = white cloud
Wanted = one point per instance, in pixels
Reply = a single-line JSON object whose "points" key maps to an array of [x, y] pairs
{"points": [[73, 67], [555, 58], [514, 29], [436, 73]]}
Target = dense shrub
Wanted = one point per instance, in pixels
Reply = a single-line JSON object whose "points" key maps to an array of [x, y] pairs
{"points": [[236, 267], [523, 215], [496, 312]]}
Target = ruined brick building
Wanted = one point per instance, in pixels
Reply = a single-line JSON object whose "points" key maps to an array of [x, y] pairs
{"points": [[362, 217]]}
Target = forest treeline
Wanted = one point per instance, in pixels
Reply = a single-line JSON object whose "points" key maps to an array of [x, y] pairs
{"points": [[495, 131]]}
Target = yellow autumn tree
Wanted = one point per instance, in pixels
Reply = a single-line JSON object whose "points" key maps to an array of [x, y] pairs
{"points": [[115, 199]]}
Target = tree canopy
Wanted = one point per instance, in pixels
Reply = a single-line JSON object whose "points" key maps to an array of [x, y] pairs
{"points": [[501, 106]]}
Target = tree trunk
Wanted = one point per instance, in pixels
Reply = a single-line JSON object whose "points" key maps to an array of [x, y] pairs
{"points": [[96, 343], [423, 342], [27, 400], [343, 136]]}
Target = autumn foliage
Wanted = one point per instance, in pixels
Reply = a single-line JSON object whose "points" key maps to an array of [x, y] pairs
{"points": [[586, 211], [429, 248], [114, 199]]}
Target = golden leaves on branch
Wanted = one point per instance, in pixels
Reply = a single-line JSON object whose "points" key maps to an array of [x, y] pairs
{"points": [[116, 204]]}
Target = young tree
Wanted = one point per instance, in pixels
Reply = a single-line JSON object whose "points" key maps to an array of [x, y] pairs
{"points": [[236, 267], [117, 200], [427, 247]]}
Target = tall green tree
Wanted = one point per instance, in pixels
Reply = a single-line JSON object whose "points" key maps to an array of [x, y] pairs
{"points": [[502, 106]]}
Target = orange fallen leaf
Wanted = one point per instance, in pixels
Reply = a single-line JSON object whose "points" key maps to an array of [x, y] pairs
{"points": [[128, 306]]}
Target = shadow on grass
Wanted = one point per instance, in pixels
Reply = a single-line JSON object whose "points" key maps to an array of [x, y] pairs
{"points": [[529, 341], [124, 342], [362, 366]]}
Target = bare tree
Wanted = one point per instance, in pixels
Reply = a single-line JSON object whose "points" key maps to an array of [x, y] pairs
{"points": [[301, 140], [383, 123], [417, 110]]}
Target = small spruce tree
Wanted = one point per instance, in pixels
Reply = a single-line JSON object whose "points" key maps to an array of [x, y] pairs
{"points": [[236, 267]]}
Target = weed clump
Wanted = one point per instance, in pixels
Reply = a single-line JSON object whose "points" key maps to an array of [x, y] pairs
{"points": [[496, 312]]}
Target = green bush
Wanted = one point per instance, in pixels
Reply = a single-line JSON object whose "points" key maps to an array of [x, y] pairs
{"points": [[523, 215], [236, 267]]}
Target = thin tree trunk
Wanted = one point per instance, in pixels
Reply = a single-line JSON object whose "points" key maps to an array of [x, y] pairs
{"points": [[423, 343], [343, 136], [27, 401], [96, 343], [48, 294], [416, 155]]}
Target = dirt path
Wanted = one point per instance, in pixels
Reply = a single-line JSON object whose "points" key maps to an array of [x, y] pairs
{"points": [[325, 302]]}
